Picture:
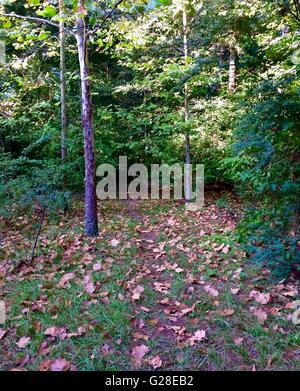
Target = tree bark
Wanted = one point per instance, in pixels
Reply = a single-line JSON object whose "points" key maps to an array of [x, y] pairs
{"points": [[232, 70], [187, 179], [91, 220], [63, 108]]}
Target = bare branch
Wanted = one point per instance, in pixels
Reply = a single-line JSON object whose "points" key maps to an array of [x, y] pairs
{"points": [[31, 18]]}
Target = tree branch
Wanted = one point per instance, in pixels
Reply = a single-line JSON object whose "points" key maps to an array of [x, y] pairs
{"points": [[107, 16], [31, 18], [297, 8]]}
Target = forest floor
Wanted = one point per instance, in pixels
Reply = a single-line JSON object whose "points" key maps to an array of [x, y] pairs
{"points": [[160, 288]]}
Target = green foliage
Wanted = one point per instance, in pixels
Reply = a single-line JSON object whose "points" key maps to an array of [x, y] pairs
{"points": [[268, 134], [25, 193], [264, 235]]}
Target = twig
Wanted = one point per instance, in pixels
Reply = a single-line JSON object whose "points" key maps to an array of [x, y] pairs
{"points": [[108, 15], [31, 18], [38, 234]]}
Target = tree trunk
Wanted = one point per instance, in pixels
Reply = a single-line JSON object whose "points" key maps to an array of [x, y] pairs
{"points": [[232, 70], [91, 220], [63, 108], [187, 179]]}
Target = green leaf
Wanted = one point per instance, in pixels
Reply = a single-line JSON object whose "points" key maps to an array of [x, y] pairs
{"points": [[49, 12], [7, 24]]}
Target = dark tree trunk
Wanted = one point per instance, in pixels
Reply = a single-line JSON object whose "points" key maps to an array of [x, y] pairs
{"points": [[91, 220]]}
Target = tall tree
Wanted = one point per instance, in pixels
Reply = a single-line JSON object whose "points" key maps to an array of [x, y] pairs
{"points": [[187, 182], [63, 108], [91, 220], [232, 69]]}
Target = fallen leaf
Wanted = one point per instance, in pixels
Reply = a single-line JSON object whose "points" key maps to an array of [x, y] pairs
{"points": [[137, 292], [45, 365], [139, 335], [238, 340], [261, 298], [80, 331], [65, 279], [225, 249], [155, 362], [138, 352], [198, 336], [161, 287], [153, 322], [97, 266], [211, 291], [60, 364], [114, 242], [44, 348], [23, 342], [89, 286], [54, 331], [227, 312], [2, 333], [259, 313], [25, 360]]}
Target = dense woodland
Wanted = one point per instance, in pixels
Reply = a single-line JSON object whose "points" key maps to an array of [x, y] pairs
{"points": [[93, 284]]}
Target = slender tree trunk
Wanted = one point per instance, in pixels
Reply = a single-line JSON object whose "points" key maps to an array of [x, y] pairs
{"points": [[63, 108], [295, 216], [187, 181], [232, 70], [91, 221]]}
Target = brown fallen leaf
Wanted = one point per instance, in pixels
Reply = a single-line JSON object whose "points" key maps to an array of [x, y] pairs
{"points": [[227, 312], [161, 287], [261, 298], [80, 331], [238, 340], [25, 360], [88, 284], [259, 313], [137, 292], [211, 291], [225, 249], [65, 279], [45, 365], [114, 242], [138, 352], [198, 336], [155, 362], [54, 331], [97, 266], [60, 364], [2, 333], [139, 335], [153, 321], [23, 342]]}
